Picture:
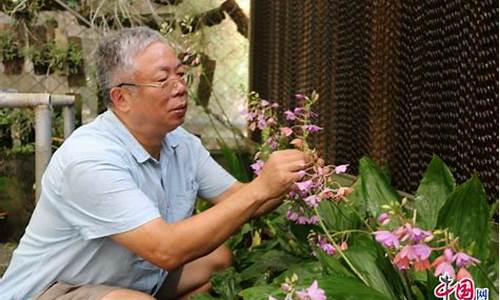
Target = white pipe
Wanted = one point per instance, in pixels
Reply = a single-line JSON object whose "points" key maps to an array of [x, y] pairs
{"points": [[69, 120], [43, 143], [32, 99]]}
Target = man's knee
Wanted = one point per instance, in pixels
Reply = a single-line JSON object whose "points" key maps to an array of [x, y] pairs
{"points": [[126, 294], [223, 258]]}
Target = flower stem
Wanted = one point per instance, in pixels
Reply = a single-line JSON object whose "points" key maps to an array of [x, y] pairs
{"points": [[350, 231], [488, 278], [404, 279], [346, 259]]}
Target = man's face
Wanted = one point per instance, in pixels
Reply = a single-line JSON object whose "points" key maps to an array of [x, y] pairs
{"points": [[159, 109]]}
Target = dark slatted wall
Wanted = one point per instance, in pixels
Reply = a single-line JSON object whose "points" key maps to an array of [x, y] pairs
{"points": [[398, 80]]}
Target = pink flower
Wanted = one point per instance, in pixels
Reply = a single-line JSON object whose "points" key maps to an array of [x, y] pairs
{"points": [[311, 128], [413, 233], [387, 239], [443, 263], [312, 293], [344, 246], [383, 218], [257, 166], [270, 121], [312, 200], [463, 260], [305, 185], [341, 168], [261, 122], [343, 192], [292, 215], [286, 131], [401, 260], [298, 110], [298, 143], [302, 220], [286, 287], [327, 193], [264, 103], [421, 251], [275, 105], [416, 234], [444, 267], [290, 115], [314, 220], [300, 96], [301, 173], [463, 273]]}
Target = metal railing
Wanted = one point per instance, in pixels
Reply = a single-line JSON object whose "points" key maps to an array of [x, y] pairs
{"points": [[42, 104]]}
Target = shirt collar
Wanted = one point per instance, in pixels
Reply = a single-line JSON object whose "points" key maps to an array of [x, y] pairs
{"points": [[171, 141]]}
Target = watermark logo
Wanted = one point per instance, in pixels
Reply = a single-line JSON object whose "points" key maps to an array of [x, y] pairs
{"points": [[462, 290]]}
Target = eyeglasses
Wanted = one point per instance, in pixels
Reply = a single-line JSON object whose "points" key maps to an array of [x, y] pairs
{"points": [[168, 84]]}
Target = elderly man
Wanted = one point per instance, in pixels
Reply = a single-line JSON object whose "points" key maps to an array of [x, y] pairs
{"points": [[114, 215]]}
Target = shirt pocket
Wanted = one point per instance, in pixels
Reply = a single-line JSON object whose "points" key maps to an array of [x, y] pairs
{"points": [[182, 204]]}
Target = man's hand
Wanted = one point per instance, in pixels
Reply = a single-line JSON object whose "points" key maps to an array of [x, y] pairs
{"points": [[280, 172]]}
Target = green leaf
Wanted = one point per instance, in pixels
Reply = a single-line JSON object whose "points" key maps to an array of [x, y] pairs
{"points": [[332, 265], [227, 283], [203, 296], [269, 264], [465, 214], [338, 216], [234, 164], [364, 259], [343, 288], [376, 188], [306, 271], [260, 292], [435, 187]]}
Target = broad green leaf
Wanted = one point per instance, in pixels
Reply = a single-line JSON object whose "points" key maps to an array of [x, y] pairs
{"points": [[306, 271], [376, 189], [343, 288], [435, 187], [333, 266], [227, 283], [338, 216], [234, 164], [465, 214], [364, 260], [260, 292], [203, 296], [270, 263]]}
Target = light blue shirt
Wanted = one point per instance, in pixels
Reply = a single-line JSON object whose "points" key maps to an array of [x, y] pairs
{"points": [[100, 182]]}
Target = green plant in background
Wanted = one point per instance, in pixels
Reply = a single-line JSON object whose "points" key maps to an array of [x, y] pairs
{"points": [[23, 10], [74, 58], [10, 49], [48, 58], [19, 124]]}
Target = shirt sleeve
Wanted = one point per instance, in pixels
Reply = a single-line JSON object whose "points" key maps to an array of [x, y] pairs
{"points": [[212, 178], [101, 198]]}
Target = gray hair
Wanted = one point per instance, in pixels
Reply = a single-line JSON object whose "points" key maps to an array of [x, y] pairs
{"points": [[115, 56]]}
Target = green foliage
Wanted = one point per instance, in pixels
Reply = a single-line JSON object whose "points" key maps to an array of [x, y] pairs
{"points": [[74, 58], [10, 49], [343, 288], [283, 248], [434, 188], [50, 57]]}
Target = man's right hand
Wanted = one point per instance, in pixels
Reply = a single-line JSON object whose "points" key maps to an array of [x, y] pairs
{"points": [[280, 172]]}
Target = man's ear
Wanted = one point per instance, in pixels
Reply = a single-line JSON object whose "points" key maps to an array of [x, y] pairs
{"points": [[120, 99]]}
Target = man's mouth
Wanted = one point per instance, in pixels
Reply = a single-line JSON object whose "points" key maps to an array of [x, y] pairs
{"points": [[180, 108]]}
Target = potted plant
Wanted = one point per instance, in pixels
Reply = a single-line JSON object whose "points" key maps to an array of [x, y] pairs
{"points": [[74, 62], [11, 54], [48, 58]]}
